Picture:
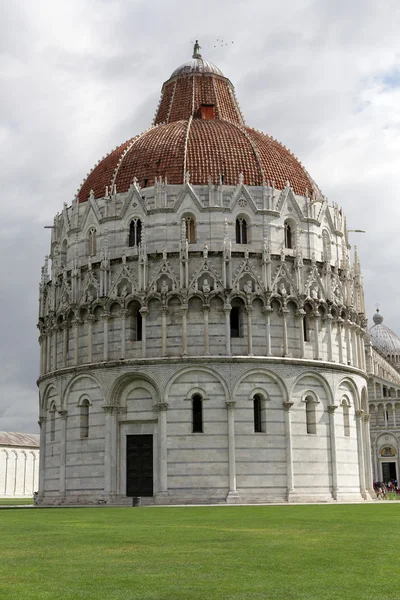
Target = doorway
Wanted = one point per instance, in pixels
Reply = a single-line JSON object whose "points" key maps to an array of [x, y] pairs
{"points": [[389, 471], [139, 465]]}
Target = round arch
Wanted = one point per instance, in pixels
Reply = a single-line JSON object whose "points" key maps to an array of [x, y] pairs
{"points": [[118, 388], [45, 396], [78, 378], [265, 372], [319, 378], [187, 369], [353, 388]]}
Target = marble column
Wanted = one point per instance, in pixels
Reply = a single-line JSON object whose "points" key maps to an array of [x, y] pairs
{"points": [[340, 335], [164, 312], [145, 313], [285, 337], [249, 311], [90, 321], [184, 310], [329, 335], [48, 351], [360, 445], [76, 341], [367, 453], [267, 310], [348, 344], [124, 314], [206, 312], [289, 452], [353, 333], [54, 368], [316, 336], [63, 450], [161, 409], [332, 434], [65, 343], [227, 311], [301, 315], [232, 494], [106, 318], [110, 450], [375, 461], [41, 342], [42, 455]]}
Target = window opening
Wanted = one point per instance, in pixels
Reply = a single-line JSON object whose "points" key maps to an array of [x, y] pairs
{"points": [[92, 242], [135, 233], [241, 231], [288, 236], [257, 413], [311, 415], [235, 322], [306, 328], [139, 325], [197, 414], [190, 230], [346, 419], [85, 419], [53, 424]]}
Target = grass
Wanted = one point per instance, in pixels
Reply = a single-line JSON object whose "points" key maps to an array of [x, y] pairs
{"points": [[201, 553], [12, 501]]}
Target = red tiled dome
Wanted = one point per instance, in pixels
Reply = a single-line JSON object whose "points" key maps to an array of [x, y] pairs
{"points": [[198, 129]]}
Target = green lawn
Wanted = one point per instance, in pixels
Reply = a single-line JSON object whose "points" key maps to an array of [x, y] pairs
{"points": [[12, 501], [206, 553]]}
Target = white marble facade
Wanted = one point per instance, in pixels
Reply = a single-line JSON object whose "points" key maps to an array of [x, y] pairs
{"points": [[19, 465], [156, 300]]}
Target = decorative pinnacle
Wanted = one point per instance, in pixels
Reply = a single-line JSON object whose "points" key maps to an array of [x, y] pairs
{"points": [[196, 50]]}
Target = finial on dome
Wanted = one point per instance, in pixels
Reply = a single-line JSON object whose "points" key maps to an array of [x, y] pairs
{"points": [[196, 50], [377, 318]]}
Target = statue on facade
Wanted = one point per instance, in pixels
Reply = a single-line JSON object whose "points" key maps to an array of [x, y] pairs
{"points": [[206, 287], [248, 287], [283, 290], [164, 288], [314, 293]]}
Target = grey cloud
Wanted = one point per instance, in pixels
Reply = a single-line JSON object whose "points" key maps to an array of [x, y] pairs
{"points": [[81, 78]]}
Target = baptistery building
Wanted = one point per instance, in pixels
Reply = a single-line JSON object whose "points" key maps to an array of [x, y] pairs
{"points": [[202, 324]]}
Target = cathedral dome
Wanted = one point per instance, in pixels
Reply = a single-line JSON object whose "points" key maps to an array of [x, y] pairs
{"points": [[211, 151], [196, 65], [383, 338], [198, 129]]}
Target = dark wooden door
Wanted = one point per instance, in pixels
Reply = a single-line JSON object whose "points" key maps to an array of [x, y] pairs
{"points": [[139, 465]]}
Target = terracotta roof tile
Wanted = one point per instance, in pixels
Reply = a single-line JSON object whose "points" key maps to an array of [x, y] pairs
{"points": [[222, 146]]}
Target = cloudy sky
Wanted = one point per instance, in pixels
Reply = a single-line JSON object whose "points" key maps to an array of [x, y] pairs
{"points": [[80, 77]]}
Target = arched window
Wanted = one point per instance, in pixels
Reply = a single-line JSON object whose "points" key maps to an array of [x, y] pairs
{"points": [[52, 422], [197, 414], [190, 228], [136, 322], [289, 237], [257, 406], [346, 417], [92, 241], [236, 319], [241, 231], [135, 232], [307, 323], [84, 414], [311, 414]]}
